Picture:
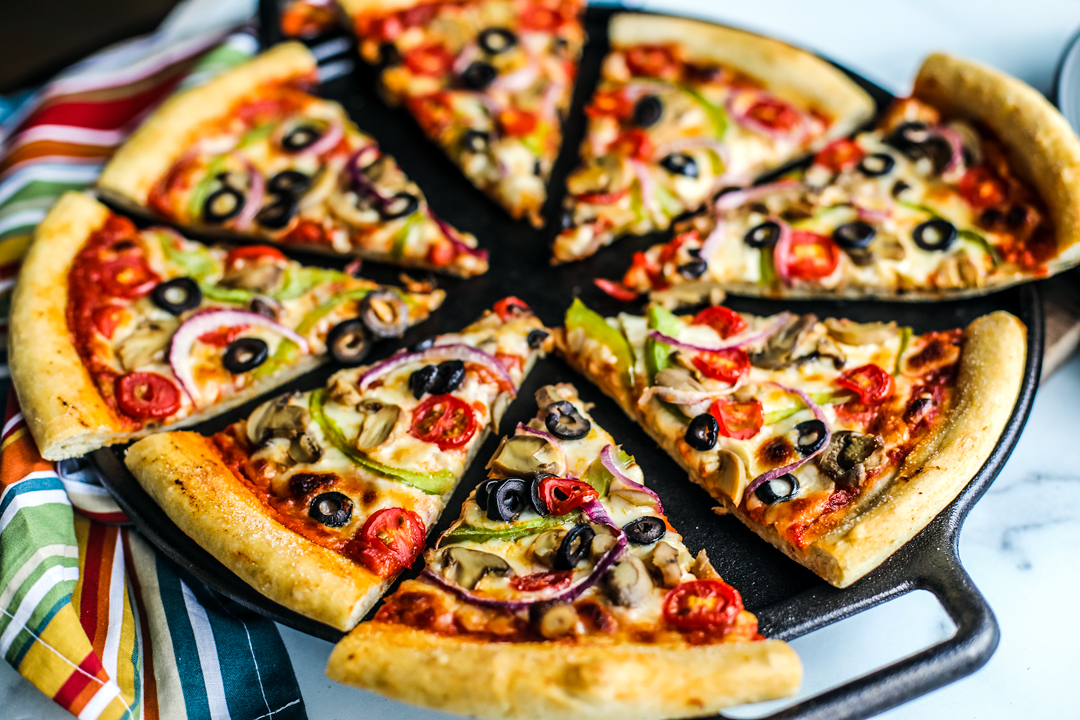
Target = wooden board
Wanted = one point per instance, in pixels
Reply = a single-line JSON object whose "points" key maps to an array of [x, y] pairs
{"points": [[1061, 304]]}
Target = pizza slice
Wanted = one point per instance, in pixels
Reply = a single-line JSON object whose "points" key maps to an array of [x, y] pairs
{"points": [[685, 109], [970, 185], [251, 153], [319, 499], [118, 332], [562, 591], [835, 441], [489, 81]]}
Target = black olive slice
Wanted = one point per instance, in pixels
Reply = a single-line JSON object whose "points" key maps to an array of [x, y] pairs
{"points": [[177, 295], [645, 530], [277, 214], [574, 547], [483, 492], [448, 377], [507, 500], [703, 432], [934, 234], [764, 235], [421, 380], [680, 164], [331, 509], [399, 206], [694, 269], [909, 138], [648, 111], [854, 235], [536, 338], [876, 164], [496, 40], [538, 503], [476, 141], [289, 182], [478, 75], [899, 187], [223, 204], [389, 55], [384, 313], [1017, 216], [778, 489], [301, 137], [811, 436], [244, 354], [349, 342], [565, 422], [422, 345]]}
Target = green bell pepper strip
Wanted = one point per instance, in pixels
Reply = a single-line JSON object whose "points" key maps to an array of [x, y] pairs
{"points": [[401, 237], [980, 240], [636, 205], [669, 204], [658, 354], [287, 353], [256, 134], [196, 263], [579, 316], [600, 477], [300, 280], [234, 296], [202, 188], [768, 270], [905, 339], [716, 114], [430, 483], [824, 398], [467, 533], [313, 317]]}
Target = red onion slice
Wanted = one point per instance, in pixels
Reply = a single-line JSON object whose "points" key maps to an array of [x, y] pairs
{"points": [[465, 353], [329, 140], [782, 252], [522, 427], [956, 145], [872, 214], [645, 183], [714, 241], [740, 340], [465, 58], [738, 198], [611, 464], [682, 397], [255, 194], [777, 472], [360, 181], [460, 245], [518, 80], [196, 326]]}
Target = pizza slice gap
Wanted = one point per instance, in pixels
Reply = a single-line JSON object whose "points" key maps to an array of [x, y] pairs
{"points": [[685, 109], [966, 187], [251, 153], [318, 500], [833, 440], [118, 332], [488, 81], [562, 591]]}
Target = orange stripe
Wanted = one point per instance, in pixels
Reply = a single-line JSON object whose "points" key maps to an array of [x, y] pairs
{"points": [[43, 148], [149, 697]]}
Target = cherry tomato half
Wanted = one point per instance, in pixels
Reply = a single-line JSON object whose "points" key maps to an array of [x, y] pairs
{"points": [[517, 123], [702, 605], [604, 198], [774, 114], [839, 154], [252, 253], [633, 143], [982, 188], [726, 365], [873, 385], [725, 321], [541, 581], [146, 395], [510, 306], [808, 255], [613, 103], [444, 420], [738, 420], [538, 17], [652, 61], [390, 540], [128, 277], [431, 59], [617, 290], [562, 495], [107, 317]]}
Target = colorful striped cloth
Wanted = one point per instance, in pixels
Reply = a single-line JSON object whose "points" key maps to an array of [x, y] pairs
{"points": [[90, 613]]}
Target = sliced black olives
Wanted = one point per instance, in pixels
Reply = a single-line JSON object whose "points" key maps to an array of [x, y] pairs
{"points": [[331, 509], [876, 164], [420, 381], [565, 422], [536, 338], [507, 500], [399, 206], [778, 489], [680, 164], [811, 436], [423, 345], [476, 141], [277, 214], [694, 269], [644, 530], [539, 506], [483, 492], [384, 313], [222, 205], [289, 182], [244, 354], [349, 342], [703, 432], [177, 295], [448, 377], [496, 40], [301, 137], [574, 547], [855, 235], [648, 111], [936, 234], [478, 75], [764, 235], [909, 137]]}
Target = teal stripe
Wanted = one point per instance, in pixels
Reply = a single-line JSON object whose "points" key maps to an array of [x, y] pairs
{"points": [[185, 651]]}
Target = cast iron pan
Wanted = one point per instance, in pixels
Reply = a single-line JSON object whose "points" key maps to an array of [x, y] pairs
{"points": [[789, 600]]}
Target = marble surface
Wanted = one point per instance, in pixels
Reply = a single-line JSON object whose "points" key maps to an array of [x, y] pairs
{"points": [[1018, 542]]}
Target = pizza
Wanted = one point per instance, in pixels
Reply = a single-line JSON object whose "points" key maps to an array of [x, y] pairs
{"points": [[489, 81], [835, 441], [252, 154], [684, 109], [319, 499], [118, 332], [968, 186], [562, 591]]}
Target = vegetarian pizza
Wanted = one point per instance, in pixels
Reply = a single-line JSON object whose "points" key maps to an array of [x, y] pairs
{"points": [[251, 153], [119, 332], [969, 185], [488, 80], [319, 499], [685, 108], [562, 591], [836, 441]]}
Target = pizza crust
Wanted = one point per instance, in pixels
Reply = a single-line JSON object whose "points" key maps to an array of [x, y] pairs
{"points": [[354, 8], [594, 678]]}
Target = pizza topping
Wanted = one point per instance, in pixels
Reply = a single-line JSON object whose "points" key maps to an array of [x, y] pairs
{"points": [[846, 458], [467, 566], [737, 420], [812, 435], [648, 111], [384, 313], [536, 339], [853, 333], [634, 492], [557, 619], [778, 489], [390, 541], [645, 530], [727, 366], [702, 605], [936, 234], [496, 41], [245, 354], [778, 472], [144, 395], [146, 344], [839, 154], [876, 164], [855, 235], [527, 455], [703, 432], [177, 296], [574, 547], [780, 324], [804, 255], [780, 347], [377, 426], [564, 421], [873, 385], [478, 75], [725, 321], [563, 495], [310, 136], [445, 421], [680, 164], [507, 500], [331, 509], [349, 342], [457, 351], [628, 583]]}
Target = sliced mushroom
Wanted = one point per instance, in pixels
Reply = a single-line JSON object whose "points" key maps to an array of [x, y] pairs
{"points": [[146, 345], [665, 558], [888, 247], [525, 456], [557, 619], [304, 449], [779, 350], [703, 569], [547, 395], [848, 456], [688, 294], [546, 545], [266, 306], [343, 391], [602, 541], [467, 566], [277, 418], [730, 476], [827, 348], [378, 424], [264, 278], [853, 333], [628, 582], [683, 379]]}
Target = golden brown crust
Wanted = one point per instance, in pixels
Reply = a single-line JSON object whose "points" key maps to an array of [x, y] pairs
{"points": [[1041, 146], [186, 476], [590, 679], [170, 131], [790, 72], [353, 8]]}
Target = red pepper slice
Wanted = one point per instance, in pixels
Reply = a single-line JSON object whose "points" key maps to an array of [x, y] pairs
{"points": [[873, 385], [252, 253], [839, 154], [390, 541], [517, 123], [541, 581], [430, 59], [724, 321], [444, 420], [612, 102], [810, 256], [633, 143], [702, 605], [510, 306], [604, 198], [106, 318], [774, 114], [982, 188], [146, 395], [538, 17], [223, 336], [652, 61], [128, 277], [738, 420], [617, 290], [726, 365], [563, 495]]}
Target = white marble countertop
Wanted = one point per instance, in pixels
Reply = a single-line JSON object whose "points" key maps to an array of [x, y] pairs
{"points": [[1017, 543]]}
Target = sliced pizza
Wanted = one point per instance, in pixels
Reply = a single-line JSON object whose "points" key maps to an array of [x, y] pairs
{"points": [[836, 441], [319, 499], [684, 109], [489, 81], [970, 185], [562, 591], [251, 153], [118, 332]]}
